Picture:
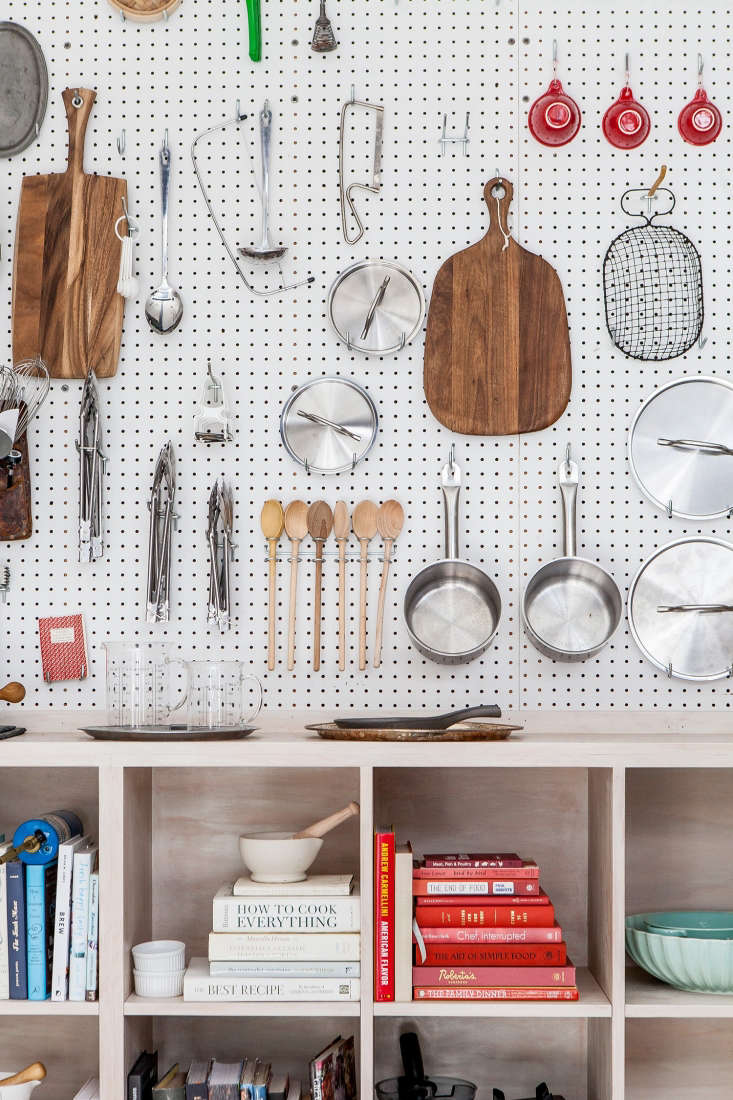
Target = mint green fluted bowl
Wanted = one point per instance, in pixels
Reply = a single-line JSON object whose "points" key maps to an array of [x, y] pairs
{"points": [[690, 960]]}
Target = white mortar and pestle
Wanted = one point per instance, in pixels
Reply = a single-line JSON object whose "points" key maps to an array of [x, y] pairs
{"points": [[19, 1086], [279, 855]]}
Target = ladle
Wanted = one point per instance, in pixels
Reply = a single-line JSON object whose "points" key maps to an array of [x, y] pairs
{"points": [[265, 252]]}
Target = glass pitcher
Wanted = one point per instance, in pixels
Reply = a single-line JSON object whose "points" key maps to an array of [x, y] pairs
{"points": [[137, 684], [215, 696]]}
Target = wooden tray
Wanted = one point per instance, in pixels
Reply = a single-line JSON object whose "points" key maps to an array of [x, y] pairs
{"points": [[166, 733], [464, 731], [145, 11]]}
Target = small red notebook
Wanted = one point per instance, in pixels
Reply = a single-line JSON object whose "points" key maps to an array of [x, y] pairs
{"points": [[63, 648]]}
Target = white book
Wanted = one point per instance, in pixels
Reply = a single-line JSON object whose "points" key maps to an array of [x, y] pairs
{"points": [[198, 985], [284, 947], [89, 1090], [285, 914], [4, 956], [403, 923], [84, 861], [62, 919], [92, 938], [285, 969], [313, 886]]}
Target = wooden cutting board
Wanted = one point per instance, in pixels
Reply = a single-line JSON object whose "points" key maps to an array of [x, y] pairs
{"points": [[497, 349], [67, 260]]}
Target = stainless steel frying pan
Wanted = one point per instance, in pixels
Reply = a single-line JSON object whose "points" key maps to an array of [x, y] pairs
{"points": [[571, 607], [452, 608]]}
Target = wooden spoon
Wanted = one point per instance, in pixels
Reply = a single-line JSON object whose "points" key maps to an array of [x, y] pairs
{"points": [[36, 1071], [390, 519], [342, 530], [365, 528], [320, 525], [296, 528], [320, 828], [13, 692], [272, 521]]}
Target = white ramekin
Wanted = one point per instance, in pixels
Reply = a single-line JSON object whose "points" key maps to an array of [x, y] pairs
{"points": [[159, 957], [159, 985]]}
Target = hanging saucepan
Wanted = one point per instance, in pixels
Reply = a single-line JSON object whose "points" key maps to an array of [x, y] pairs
{"points": [[681, 609], [571, 607], [452, 608], [681, 448]]}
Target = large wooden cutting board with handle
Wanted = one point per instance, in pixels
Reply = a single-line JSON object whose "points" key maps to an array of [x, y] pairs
{"points": [[497, 349], [67, 261]]}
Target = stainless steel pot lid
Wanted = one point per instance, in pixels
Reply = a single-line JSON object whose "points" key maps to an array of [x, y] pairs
{"points": [[681, 609], [376, 306], [681, 448], [328, 425], [23, 88]]}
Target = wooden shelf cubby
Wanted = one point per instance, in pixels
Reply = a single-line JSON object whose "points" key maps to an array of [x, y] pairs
{"points": [[623, 812]]}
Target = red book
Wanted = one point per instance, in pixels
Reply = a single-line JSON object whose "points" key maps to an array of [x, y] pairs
{"points": [[540, 898], [384, 894], [497, 859], [483, 874], [532, 954], [492, 935], [528, 993], [495, 887], [459, 977], [468, 916]]}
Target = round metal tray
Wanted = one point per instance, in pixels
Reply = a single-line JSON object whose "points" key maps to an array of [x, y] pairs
{"points": [[688, 474], [694, 644], [376, 306], [166, 733], [24, 90], [328, 425]]}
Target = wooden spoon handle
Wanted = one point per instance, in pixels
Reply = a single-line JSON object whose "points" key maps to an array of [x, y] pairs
{"points": [[380, 606], [342, 605], [294, 550], [317, 608], [320, 828], [36, 1071], [362, 604], [13, 692], [272, 558]]}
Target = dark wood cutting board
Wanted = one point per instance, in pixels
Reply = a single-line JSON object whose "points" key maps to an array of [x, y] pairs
{"points": [[67, 260], [497, 349]]}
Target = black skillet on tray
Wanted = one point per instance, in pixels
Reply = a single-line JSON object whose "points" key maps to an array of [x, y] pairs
{"points": [[419, 722], [541, 1093], [10, 731]]}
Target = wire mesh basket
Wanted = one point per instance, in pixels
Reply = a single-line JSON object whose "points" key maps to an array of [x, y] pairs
{"points": [[652, 285]]}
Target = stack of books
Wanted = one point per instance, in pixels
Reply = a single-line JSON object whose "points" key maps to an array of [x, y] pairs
{"points": [[49, 922], [296, 941], [332, 1077], [485, 930]]}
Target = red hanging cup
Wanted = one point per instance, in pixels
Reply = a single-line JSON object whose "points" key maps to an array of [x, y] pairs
{"points": [[554, 118], [700, 121], [626, 123]]}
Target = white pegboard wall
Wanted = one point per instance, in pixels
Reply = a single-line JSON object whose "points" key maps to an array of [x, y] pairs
{"points": [[418, 61]]}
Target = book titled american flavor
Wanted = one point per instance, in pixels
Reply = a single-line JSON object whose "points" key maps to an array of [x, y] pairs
{"points": [[284, 946], [491, 993], [40, 902], [285, 914], [384, 913], [482, 976], [199, 985]]}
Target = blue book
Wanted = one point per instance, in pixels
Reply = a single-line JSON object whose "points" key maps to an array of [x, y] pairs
{"points": [[15, 885], [40, 900]]}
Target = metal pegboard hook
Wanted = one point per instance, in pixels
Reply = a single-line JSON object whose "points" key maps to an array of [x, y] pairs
{"points": [[122, 143], [165, 148], [627, 69], [554, 57], [700, 65], [568, 460]]}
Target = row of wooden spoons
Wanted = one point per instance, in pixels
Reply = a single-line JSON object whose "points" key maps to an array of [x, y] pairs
{"points": [[298, 521]]}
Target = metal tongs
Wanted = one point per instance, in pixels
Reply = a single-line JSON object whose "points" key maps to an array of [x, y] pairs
{"points": [[91, 472], [221, 547], [162, 518]]}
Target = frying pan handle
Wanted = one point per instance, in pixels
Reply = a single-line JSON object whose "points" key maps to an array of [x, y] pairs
{"points": [[568, 477], [412, 1057], [450, 481]]}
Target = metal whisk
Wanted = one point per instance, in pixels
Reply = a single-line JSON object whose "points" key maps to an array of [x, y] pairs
{"points": [[25, 387]]}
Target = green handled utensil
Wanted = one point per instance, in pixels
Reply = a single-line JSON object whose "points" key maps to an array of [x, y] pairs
{"points": [[255, 29]]}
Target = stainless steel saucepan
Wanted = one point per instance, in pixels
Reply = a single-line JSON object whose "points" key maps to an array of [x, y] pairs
{"points": [[571, 606], [452, 608]]}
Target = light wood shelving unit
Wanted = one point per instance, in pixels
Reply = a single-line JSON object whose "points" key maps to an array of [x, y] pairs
{"points": [[624, 812]]}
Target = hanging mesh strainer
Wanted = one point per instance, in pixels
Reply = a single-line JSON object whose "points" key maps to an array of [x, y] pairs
{"points": [[652, 284]]}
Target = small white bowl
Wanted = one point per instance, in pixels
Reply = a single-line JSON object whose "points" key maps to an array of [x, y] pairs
{"points": [[159, 957], [159, 985], [274, 855]]}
